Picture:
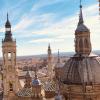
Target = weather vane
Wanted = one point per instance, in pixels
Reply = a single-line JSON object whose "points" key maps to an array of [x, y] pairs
{"points": [[80, 2]]}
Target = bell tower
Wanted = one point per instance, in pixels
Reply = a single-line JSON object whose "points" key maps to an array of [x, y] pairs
{"points": [[82, 37], [10, 78], [50, 69]]}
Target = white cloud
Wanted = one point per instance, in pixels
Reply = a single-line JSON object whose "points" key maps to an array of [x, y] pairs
{"points": [[24, 23], [64, 29], [2, 29], [27, 21], [47, 40], [62, 32], [42, 3]]}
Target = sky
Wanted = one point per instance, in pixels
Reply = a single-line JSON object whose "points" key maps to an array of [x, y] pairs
{"points": [[36, 23]]}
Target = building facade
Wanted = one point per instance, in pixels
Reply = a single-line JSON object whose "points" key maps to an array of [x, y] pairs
{"points": [[12, 89], [80, 78], [49, 65], [77, 79], [10, 78]]}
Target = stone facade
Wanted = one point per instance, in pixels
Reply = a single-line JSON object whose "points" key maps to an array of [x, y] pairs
{"points": [[10, 78], [50, 67], [79, 77]]}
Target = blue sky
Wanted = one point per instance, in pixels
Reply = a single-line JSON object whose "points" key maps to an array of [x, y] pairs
{"points": [[35, 23]]}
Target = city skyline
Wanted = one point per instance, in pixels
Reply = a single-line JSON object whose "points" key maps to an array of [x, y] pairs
{"points": [[37, 23]]}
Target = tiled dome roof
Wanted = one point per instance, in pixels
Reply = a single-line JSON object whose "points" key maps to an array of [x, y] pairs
{"points": [[79, 70], [25, 92], [49, 86]]}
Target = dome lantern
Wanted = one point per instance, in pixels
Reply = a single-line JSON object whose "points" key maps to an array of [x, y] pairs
{"points": [[82, 37]]}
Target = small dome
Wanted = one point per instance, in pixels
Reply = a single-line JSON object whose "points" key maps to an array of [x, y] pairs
{"points": [[36, 82]]}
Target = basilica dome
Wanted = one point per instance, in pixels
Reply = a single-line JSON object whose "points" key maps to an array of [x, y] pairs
{"points": [[79, 70], [84, 66]]}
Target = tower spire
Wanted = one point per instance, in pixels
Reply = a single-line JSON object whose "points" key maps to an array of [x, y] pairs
{"points": [[7, 25], [8, 34], [7, 16], [81, 14], [49, 47], [49, 50], [8, 22], [35, 72], [50, 69], [82, 36], [58, 57]]}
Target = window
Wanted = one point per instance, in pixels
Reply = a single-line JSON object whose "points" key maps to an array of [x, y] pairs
{"points": [[86, 43], [9, 56], [8, 29], [11, 86], [81, 44]]}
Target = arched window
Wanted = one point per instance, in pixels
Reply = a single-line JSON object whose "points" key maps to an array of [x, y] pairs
{"points": [[10, 86], [9, 56], [76, 43], [90, 99], [81, 44], [86, 43]]}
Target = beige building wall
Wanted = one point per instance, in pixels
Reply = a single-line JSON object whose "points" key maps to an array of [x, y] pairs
{"points": [[10, 78]]}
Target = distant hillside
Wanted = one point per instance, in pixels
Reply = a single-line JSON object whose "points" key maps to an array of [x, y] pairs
{"points": [[62, 54], [67, 54]]}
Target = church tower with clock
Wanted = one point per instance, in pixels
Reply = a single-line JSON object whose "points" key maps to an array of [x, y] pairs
{"points": [[10, 78]]}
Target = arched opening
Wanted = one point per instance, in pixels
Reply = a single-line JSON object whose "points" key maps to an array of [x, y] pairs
{"points": [[81, 45], [86, 43], [9, 56], [89, 99], [10, 86]]}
